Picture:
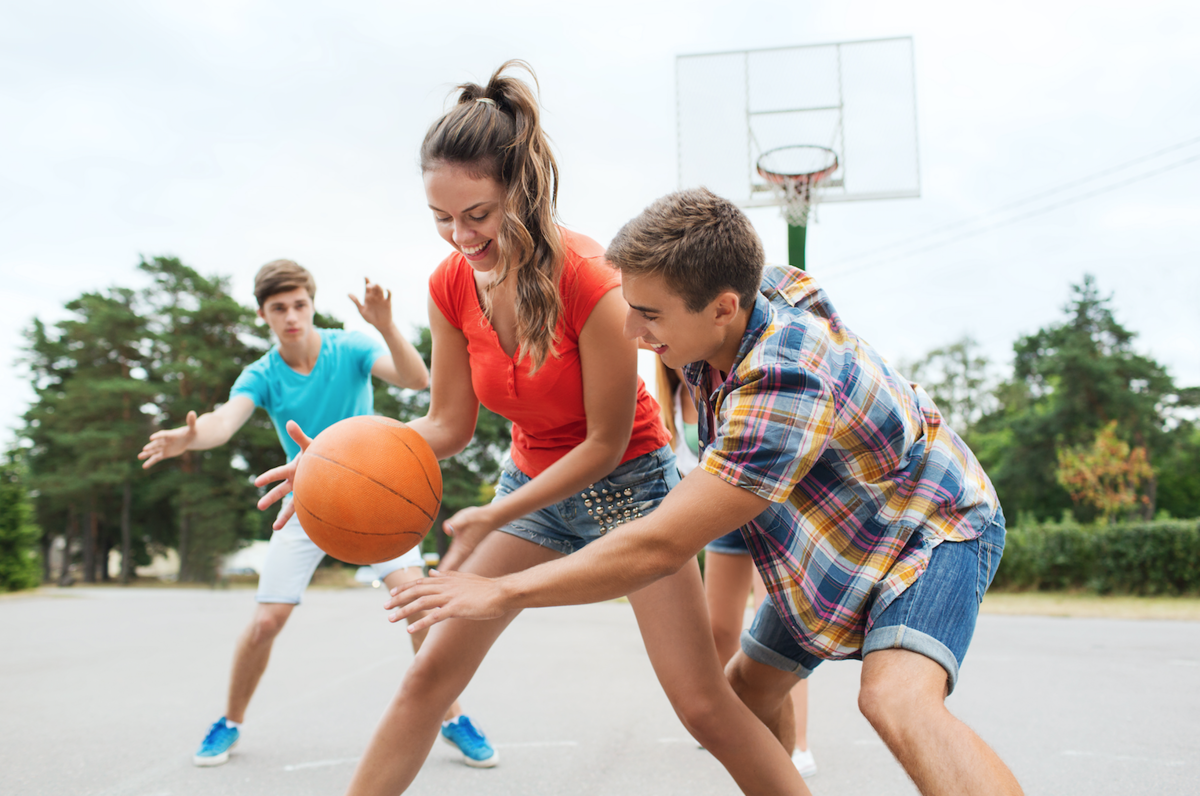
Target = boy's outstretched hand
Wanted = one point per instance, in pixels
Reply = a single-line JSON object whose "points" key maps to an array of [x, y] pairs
{"points": [[287, 473], [168, 443], [447, 595], [376, 305]]}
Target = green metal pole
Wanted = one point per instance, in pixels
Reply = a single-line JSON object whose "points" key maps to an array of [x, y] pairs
{"points": [[796, 246]]}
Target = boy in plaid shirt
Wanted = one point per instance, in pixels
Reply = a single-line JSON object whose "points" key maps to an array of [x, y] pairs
{"points": [[872, 523]]}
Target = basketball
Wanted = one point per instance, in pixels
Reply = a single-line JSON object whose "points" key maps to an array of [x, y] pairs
{"points": [[367, 489]]}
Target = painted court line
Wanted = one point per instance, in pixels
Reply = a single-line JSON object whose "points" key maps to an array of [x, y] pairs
{"points": [[321, 763], [1124, 758]]}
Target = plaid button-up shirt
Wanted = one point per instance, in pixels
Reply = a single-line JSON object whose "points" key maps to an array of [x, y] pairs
{"points": [[863, 476]]}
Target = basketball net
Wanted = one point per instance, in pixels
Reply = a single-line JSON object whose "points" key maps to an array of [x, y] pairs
{"points": [[793, 173]]}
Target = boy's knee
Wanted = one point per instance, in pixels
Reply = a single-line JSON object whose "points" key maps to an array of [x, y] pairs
{"points": [[268, 621], [745, 678], [891, 701]]}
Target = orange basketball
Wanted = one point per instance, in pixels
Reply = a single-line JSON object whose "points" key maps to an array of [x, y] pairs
{"points": [[367, 489]]}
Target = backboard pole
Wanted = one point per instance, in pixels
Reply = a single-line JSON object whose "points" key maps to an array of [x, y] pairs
{"points": [[796, 237]]}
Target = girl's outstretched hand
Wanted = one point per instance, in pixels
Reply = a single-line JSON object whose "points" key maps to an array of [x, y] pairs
{"points": [[287, 473], [447, 595], [467, 528]]}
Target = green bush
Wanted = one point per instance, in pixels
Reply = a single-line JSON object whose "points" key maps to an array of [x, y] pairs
{"points": [[1161, 557], [20, 564]]}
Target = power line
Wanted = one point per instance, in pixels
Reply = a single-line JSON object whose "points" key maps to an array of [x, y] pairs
{"points": [[1043, 194], [844, 267]]}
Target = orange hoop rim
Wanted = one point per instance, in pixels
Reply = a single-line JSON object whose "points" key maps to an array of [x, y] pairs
{"points": [[799, 178]]}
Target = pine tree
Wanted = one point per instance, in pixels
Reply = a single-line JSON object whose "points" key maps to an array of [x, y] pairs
{"points": [[19, 534], [200, 340], [1070, 379]]}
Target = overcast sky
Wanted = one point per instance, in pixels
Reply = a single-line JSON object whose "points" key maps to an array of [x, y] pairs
{"points": [[232, 133]]}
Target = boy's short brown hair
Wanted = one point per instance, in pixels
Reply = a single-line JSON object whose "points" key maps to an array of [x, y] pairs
{"points": [[697, 242], [280, 276]]}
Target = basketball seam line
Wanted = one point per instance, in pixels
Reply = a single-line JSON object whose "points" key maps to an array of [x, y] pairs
{"points": [[319, 518], [404, 442], [378, 483]]}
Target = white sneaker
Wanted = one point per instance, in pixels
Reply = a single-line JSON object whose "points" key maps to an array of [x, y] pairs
{"points": [[803, 758]]}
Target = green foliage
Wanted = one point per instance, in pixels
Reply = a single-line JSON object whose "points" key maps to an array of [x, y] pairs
{"points": [[122, 364], [89, 420], [956, 378], [1106, 475], [201, 339], [1178, 468], [1069, 380], [20, 564], [1160, 557]]}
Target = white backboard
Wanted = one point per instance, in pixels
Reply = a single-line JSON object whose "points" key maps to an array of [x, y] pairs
{"points": [[857, 98]]}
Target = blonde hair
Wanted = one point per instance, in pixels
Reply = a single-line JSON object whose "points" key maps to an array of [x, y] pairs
{"points": [[280, 276], [494, 131]]}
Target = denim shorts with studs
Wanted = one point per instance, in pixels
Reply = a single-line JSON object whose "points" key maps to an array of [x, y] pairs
{"points": [[631, 491]]}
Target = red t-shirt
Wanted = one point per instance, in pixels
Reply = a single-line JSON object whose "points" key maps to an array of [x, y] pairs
{"points": [[546, 409]]}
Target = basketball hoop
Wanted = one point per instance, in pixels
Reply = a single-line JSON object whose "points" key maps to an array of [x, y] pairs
{"points": [[792, 172]]}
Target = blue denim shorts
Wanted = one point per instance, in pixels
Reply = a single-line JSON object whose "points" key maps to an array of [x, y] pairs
{"points": [[631, 491], [934, 617], [731, 544]]}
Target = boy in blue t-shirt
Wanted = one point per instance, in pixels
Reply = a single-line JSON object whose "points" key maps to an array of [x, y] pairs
{"points": [[315, 377]]}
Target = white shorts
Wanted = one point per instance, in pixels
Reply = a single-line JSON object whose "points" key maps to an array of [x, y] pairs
{"points": [[293, 558]]}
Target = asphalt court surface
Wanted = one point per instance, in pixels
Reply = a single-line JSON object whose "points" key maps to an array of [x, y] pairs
{"points": [[107, 692]]}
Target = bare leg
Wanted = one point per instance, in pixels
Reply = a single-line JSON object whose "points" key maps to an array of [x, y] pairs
{"points": [[800, 690], [252, 654], [727, 580], [441, 670], [398, 578], [766, 690], [671, 615], [800, 715], [903, 696]]}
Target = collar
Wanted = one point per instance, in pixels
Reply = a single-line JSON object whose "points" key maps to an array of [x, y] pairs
{"points": [[696, 372]]}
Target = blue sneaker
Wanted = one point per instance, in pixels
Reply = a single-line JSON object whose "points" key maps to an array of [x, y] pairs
{"points": [[215, 749], [476, 750]]}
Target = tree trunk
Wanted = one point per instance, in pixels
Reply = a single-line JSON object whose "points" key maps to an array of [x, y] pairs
{"points": [[89, 545], [64, 575], [185, 519], [126, 535], [106, 547], [47, 546], [184, 532]]}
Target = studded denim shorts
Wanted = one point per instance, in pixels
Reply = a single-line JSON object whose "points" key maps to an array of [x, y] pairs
{"points": [[632, 490]]}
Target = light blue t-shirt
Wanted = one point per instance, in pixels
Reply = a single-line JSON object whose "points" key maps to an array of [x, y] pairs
{"points": [[338, 387]]}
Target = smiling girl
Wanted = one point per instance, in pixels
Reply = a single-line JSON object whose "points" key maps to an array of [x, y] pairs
{"points": [[527, 319]]}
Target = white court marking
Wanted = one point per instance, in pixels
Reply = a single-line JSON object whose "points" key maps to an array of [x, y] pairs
{"points": [[321, 763], [1124, 758], [341, 761]]}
